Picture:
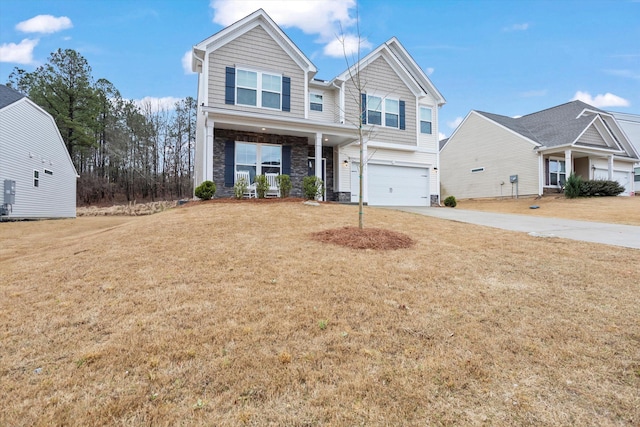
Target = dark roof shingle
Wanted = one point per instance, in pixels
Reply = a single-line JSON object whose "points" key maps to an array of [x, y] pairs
{"points": [[9, 96]]}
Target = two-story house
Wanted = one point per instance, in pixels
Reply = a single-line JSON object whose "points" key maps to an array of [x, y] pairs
{"points": [[262, 110]]}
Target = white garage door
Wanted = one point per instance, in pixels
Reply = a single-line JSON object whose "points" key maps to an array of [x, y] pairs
{"points": [[623, 178], [393, 185]]}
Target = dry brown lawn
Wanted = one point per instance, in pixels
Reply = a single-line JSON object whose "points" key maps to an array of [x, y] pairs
{"points": [[618, 210], [231, 314]]}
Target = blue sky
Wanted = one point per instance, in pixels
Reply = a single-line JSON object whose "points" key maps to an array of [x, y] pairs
{"points": [[504, 57]]}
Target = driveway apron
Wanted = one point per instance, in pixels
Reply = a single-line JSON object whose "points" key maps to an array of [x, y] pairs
{"points": [[586, 231]]}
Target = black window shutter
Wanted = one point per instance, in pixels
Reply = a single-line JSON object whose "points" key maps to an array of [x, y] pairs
{"points": [[402, 122], [230, 86], [363, 97], [286, 94], [229, 163], [286, 160]]}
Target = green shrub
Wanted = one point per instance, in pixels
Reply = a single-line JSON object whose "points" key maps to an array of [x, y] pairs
{"points": [[573, 186], [284, 185], [262, 186], [600, 188], [206, 190], [450, 202], [240, 188], [312, 187]]}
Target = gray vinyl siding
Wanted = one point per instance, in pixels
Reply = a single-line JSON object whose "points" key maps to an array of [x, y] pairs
{"points": [[29, 140], [592, 137], [330, 108], [480, 143], [378, 78], [256, 50]]}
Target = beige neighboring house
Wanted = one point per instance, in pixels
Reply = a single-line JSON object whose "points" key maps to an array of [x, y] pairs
{"points": [[263, 111], [490, 155], [630, 124]]}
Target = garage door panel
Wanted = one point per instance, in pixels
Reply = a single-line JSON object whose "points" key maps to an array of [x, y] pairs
{"points": [[395, 185]]}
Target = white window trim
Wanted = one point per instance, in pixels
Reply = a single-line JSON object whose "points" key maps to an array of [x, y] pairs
{"points": [[321, 95], [259, 89], [420, 119], [258, 163], [383, 104], [557, 159], [36, 179]]}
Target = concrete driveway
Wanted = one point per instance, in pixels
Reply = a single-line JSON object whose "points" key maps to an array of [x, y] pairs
{"points": [[595, 232]]}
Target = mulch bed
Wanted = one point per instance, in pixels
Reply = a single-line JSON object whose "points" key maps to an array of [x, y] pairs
{"points": [[366, 238]]}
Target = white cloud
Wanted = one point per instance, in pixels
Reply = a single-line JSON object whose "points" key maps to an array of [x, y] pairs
{"points": [[624, 73], [601, 101], [441, 136], [455, 123], [347, 45], [430, 71], [156, 104], [45, 24], [326, 18], [21, 53], [186, 62], [517, 27]]}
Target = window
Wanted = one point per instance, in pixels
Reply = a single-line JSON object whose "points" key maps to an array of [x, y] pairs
{"points": [[48, 172], [391, 113], [475, 170], [269, 156], [425, 120], [258, 89], [374, 110], [557, 172], [315, 102], [36, 178]]}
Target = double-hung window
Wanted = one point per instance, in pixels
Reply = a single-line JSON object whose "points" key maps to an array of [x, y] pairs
{"points": [[258, 89], [425, 120], [315, 102], [374, 110], [391, 113], [36, 178], [557, 172], [384, 112], [258, 159]]}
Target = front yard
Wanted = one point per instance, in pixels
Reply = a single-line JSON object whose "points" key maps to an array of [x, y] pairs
{"points": [[230, 314]]}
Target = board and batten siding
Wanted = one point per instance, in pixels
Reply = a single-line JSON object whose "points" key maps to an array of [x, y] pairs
{"points": [[480, 143], [379, 79], [255, 50], [29, 140]]}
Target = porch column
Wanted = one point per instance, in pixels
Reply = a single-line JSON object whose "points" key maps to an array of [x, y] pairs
{"points": [[568, 166], [365, 173], [318, 156], [208, 152], [610, 168], [541, 177]]}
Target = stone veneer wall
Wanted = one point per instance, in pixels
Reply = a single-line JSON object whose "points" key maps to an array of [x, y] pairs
{"points": [[300, 153]]}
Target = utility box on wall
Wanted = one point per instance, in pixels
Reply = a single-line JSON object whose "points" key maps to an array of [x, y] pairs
{"points": [[9, 192], [513, 178]]}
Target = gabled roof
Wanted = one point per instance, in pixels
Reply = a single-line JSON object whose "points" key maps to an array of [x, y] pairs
{"points": [[238, 28], [9, 96], [564, 125], [403, 64]]}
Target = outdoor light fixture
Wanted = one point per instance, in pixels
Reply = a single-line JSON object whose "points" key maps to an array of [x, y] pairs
{"points": [[345, 163]]}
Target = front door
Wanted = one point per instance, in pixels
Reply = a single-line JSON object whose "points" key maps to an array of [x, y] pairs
{"points": [[311, 164]]}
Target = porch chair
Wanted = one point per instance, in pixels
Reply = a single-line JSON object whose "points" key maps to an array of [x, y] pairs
{"points": [[273, 190], [251, 188]]}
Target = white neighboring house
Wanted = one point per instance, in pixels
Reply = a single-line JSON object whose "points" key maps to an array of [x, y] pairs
{"points": [[34, 156], [630, 124], [261, 110]]}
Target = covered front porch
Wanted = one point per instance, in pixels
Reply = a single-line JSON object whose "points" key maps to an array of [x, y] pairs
{"points": [[233, 144], [557, 165]]}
